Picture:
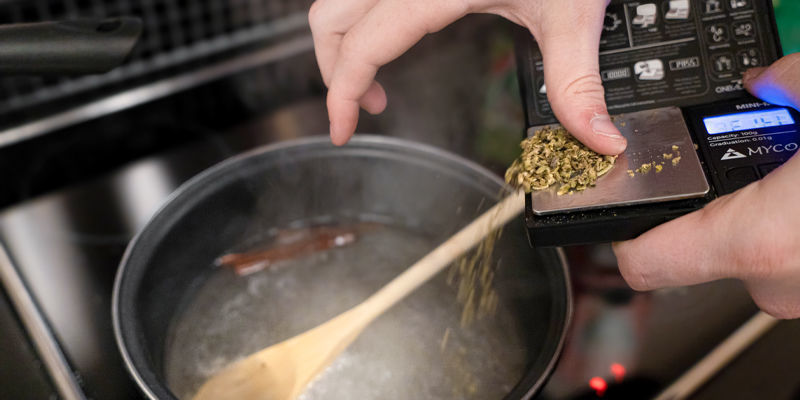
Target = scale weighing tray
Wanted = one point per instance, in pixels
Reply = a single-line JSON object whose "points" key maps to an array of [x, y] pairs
{"points": [[672, 71]]}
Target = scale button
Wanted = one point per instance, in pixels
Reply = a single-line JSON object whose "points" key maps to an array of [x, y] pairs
{"points": [[717, 33], [767, 168], [742, 174], [722, 63], [738, 5], [749, 58], [744, 29], [739, 177], [712, 6]]}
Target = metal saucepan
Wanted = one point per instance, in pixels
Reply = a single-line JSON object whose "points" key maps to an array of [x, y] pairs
{"points": [[179, 317]]}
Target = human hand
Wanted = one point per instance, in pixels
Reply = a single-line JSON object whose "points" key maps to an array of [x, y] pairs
{"points": [[752, 234], [353, 38]]}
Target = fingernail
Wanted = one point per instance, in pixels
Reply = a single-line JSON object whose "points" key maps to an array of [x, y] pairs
{"points": [[601, 124]]}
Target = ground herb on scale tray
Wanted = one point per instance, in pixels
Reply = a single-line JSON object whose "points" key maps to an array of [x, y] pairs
{"points": [[554, 157]]}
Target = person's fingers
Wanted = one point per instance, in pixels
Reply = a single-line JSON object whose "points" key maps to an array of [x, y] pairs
{"points": [[751, 74], [329, 21], [679, 252], [777, 84], [779, 298], [379, 37], [374, 100], [770, 253], [569, 38], [750, 235]]}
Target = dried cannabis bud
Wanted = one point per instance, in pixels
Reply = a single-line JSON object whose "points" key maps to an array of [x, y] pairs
{"points": [[552, 156]]}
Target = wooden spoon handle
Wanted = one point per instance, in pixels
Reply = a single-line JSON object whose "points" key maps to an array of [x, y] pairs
{"points": [[442, 256]]}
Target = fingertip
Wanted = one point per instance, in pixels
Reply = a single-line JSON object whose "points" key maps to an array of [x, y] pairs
{"points": [[752, 74], [597, 132], [603, 144], [343, 119], [592, 126], [607, 138], [612, 147], [338, 138]]}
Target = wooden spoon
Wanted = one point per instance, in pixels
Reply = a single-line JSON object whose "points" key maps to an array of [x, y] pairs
{"points": [[282, 371]]}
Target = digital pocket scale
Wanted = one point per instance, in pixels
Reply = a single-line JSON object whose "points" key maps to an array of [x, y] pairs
{"points": [[672, 71]]}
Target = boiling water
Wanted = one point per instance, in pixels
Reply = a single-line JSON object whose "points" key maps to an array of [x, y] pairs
{"points": [[402, 355]]}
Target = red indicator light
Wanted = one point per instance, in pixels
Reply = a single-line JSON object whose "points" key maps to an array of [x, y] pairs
{"points": [[618, 370], [599, 385]]}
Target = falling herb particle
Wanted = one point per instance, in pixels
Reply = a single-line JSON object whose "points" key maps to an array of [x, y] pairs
{"points": [[675, 161], [667, 156], [445, 338], [473, 276], [630, 173], [659, 167], [674, 147]]}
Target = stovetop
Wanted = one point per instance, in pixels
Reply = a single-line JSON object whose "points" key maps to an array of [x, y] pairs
{"points": [[66, 245]]}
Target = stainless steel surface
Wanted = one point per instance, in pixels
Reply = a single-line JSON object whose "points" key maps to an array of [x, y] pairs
{"points": [[155, 90], [66, 247], [40, 334], [22, 372], [138, 68], [650, 134], [176, 35]]}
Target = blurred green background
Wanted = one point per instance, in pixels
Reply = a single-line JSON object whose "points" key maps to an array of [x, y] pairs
{"points": [[787, 13]]}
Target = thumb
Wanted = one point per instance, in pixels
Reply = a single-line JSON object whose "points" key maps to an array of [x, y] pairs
{"points": [[569, 39], [779, 83], [677, 253]]}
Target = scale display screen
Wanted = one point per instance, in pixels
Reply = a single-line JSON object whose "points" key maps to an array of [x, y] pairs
{"points": [[748, 120]]}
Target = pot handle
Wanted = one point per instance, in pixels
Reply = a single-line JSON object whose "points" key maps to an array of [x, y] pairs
{"points": [[67, 47]]}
